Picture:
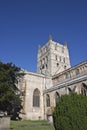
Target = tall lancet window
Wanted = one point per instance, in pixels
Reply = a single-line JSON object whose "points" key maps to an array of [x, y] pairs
{"points": [[36, 98], [48, 100]]}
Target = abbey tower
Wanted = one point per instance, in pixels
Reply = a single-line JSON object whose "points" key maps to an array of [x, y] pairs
{"points": [[52, 58]]}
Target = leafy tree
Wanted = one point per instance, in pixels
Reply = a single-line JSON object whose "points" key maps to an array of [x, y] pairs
{"points": [[71, 113], [9, 93]]}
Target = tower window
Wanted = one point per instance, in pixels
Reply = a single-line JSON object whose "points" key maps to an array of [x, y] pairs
{"points": [[42, 66], [64, 59], [56, 47], [56, 57], [45, 49], [65, 67], [41, 62], [46, 66], [62, 49], [57, 64], [46, 59], [60, 58]]}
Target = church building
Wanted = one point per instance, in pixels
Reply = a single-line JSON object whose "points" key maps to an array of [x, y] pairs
{"points": [[55, 77]]}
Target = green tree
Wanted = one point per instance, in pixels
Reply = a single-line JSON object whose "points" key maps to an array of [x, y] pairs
{"points": [[71, 113], [9, 93]]}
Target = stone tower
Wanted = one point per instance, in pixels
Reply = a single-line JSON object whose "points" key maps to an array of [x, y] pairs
{"points": [[52, 58]]}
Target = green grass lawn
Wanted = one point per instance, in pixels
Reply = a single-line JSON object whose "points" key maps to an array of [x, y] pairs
{"points": [[31, 125]]}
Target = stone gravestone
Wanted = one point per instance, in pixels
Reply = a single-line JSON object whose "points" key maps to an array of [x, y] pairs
{"points": [[4, 123]]}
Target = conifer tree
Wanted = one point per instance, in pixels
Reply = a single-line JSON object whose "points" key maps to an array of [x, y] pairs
{"points": [[71, 113]]}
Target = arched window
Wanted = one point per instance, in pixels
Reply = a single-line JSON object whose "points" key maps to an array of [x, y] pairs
{"points": [[36, 98], [48, 100], [73, 90], [57, 97], [70, 90], [84, 89]]}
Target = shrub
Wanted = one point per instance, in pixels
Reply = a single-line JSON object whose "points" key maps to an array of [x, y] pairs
{"points": [[71, 113]]}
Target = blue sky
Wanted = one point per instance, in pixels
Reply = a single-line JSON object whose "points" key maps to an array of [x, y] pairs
{"points": [[24, 24]]}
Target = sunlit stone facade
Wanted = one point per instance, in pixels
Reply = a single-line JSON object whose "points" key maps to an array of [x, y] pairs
{"points": [[55, 77]]}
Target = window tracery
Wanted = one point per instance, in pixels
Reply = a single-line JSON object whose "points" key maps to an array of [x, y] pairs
{"points": [[36, 98]]}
